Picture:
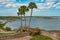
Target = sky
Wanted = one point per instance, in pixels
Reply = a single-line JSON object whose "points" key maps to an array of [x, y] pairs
{"points": [[44, 7]]}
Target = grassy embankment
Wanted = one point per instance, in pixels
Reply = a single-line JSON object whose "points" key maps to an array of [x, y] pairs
{"points": [[40, 37]]}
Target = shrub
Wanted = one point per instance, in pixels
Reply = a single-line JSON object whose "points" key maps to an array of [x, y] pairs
{"points": [[1, 26], [8, 28], [40, 37]]}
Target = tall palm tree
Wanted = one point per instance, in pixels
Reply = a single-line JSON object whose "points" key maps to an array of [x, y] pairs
{"points": [[31, 6], [20, 13], [24, 9]]}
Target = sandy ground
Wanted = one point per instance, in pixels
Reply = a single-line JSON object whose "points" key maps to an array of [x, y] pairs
{"points": [[22, 38], [52, 35]]}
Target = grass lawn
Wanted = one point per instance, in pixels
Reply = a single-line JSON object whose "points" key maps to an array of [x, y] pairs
{"points": [[40, 37], [6, 33], [11, 32]]}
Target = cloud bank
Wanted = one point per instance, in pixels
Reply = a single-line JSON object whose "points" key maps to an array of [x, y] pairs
{"points": [[46, 5]]}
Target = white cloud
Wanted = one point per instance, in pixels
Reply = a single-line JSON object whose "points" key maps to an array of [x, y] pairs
{"points": [[45, 5], [12, 4], [57, 5], [7, 0], [49, 4], [41, 6], [4, 2], [51, 0]]}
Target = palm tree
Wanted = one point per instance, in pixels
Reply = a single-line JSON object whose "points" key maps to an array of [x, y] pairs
{"points": [[31, 6], [24, 9], [20, 13]]}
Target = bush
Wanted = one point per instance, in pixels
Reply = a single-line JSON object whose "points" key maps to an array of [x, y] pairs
{"points": [[40, 37], [1, 26], [8, 28]]}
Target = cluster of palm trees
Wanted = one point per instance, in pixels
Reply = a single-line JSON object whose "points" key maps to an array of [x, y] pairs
{"points": [[23, 9]]}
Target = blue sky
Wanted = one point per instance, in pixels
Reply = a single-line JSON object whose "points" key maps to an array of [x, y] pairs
{"points": [[45, 7]]}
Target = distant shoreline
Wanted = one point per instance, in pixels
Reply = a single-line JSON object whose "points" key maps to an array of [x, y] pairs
{"points": [[51, 30], [18, 17]]}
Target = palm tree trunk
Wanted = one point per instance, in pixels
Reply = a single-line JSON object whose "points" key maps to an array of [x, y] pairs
{"points": [[21, 23], [21, 20], [30, 17], [25, 20]]}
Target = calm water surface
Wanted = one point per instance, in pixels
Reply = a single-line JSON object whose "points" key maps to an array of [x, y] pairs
{"points": [[42, 23]]}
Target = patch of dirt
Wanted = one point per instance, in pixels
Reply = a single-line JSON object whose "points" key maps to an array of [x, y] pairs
{"points": [[22, 38]]}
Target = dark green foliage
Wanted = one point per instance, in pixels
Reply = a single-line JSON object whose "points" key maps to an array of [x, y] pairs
{"points": [[22, 10], [40, 37], [1, 25], [32, 5], [8, 28]]}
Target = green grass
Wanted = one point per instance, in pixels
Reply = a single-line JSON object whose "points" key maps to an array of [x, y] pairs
{"points": [[4, 33], [40, 37]]}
